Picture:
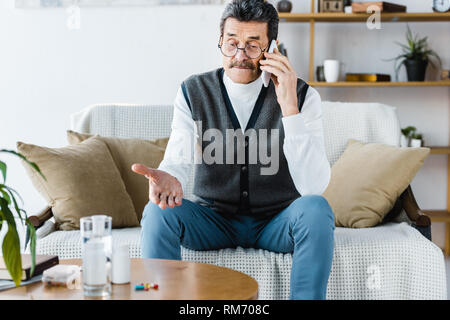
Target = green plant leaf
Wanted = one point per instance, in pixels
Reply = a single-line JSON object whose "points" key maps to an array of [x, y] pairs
{"points": [[6, 196], [409, 37], [408, 131], [9, 217], [31, 235], [11, 245], [397, 69], [32, 164], [405, 48], [16, 207], [391, 59], [416, 48], [422, 43], [11, 191], [11, 255], [3, 170]]}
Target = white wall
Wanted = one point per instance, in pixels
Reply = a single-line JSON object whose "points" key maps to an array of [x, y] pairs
{"points": [[141, 55]]}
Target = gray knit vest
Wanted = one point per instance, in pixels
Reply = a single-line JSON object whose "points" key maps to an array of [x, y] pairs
{"points": [[237, 187]]}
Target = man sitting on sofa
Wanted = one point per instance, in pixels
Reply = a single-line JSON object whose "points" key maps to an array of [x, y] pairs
{"points": [[239, 202]]}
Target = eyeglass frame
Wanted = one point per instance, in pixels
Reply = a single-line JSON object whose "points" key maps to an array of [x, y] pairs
{"points": [[237, 50]]}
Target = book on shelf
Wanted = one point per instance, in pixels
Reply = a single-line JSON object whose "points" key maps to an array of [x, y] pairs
{"points": [[43, 262], [368, 77], [361, 7]]}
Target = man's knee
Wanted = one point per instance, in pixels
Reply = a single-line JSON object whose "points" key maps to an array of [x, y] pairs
{"points": [[161, 231], [314, 211]]}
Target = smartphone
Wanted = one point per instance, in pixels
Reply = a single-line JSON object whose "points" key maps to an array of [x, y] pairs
{"points": [[265, 74]]}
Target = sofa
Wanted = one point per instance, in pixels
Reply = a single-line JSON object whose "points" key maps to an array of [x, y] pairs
{"points": [[393, 260]]}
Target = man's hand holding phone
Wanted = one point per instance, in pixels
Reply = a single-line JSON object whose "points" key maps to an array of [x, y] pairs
{"points": [[164, 189], [284, 79]]}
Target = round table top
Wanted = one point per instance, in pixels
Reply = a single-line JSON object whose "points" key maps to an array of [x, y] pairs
{"points": [[177, 280]]}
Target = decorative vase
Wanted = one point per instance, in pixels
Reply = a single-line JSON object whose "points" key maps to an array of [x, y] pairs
{"points": [[405, 141], [416, 69], [320, 76], [284, 6]]}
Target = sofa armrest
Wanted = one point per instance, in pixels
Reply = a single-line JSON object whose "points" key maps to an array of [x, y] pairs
{"points": [[44, 230], [413, 211], [39, 219]]}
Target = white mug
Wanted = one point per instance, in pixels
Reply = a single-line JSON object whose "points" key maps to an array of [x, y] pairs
{"points": [[331, 70]]}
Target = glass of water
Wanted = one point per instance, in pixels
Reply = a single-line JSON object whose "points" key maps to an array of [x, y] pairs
{"points": [[96, 242]]}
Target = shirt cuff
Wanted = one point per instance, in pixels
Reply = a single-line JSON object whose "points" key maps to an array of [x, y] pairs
{"points": [[294, 125]]}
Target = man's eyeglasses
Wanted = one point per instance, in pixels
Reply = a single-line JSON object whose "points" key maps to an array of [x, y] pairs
{"points": [[230, 49]]}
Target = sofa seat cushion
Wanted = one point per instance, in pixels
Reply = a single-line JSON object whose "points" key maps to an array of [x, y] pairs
{"points": [[390, 261]]}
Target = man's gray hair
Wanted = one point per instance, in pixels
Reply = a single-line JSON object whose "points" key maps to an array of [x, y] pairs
{"points": [[252, 10]]}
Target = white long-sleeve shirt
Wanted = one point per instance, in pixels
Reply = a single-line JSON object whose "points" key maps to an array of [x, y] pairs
{"points": [[303, 144]]}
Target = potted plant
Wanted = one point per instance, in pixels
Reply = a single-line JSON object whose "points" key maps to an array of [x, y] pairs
{"points": [[11, 241], [415, 57], [410, 138], [406, 137], [416, 140]]}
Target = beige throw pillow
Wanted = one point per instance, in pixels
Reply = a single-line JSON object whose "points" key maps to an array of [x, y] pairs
{"points": [[82, 180], [367, 180], [125, 152]]}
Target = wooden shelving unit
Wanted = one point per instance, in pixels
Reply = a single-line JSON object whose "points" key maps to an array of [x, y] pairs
{"points": [[362, 17], [381, 84], [443, 215], [439, 150], [313, 17], [438, 215]]}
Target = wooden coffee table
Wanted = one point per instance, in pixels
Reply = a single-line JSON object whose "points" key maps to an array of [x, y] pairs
{"points": [[176, 280]]}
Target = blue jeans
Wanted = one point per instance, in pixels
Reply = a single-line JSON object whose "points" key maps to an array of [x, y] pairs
{"points": [[305, 228]]}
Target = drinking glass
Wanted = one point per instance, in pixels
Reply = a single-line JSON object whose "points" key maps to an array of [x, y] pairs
{"points": [[96, 242]]}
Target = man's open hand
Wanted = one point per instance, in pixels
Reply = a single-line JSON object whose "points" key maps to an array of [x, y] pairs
{"points": [[164, 189]]}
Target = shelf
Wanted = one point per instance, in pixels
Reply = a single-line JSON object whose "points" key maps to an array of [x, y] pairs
{"points": [[439, 149], [438, 215], [362, 17], [445, 83]]}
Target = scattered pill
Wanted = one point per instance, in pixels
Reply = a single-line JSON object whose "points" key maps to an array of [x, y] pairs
{"points": [[146, 286]]}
